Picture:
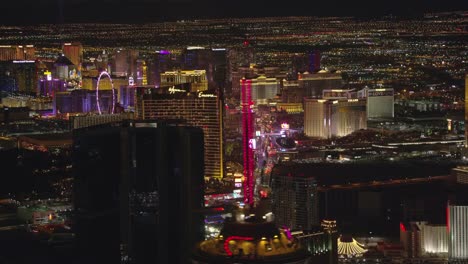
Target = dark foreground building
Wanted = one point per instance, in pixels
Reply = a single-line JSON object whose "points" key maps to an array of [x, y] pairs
{"points": [[138, 191]]}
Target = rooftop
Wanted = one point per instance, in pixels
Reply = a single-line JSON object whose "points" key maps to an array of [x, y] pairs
{"points": [[48, 140]]}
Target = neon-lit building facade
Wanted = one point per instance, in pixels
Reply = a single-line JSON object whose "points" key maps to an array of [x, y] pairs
{"points": [[328, 118], [420, 239], [82, 101], [410, 238], [203, 109], [434, 239], [125, 63], [247, 140], [74, 52], [312, 84], [380, 102], [466, 110], [263, 89], [127, 95], [197, 79], [458, 233], [81, 121], [9, 52], [50, 87]]}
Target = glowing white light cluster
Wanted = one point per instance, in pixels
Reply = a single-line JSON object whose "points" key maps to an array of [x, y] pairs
{"points": [[435, 239], [350, 249], [97, 92]]}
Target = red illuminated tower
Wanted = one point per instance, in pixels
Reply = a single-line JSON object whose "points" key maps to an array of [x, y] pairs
{"points": [[248, 140]]}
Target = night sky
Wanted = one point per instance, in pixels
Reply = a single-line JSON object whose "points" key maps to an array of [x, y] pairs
{"points": [[138, 11]]}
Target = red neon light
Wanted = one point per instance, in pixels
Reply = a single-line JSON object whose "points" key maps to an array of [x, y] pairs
{"points": [[448, 218], [248, 134], [226, 242], [402, 227]]}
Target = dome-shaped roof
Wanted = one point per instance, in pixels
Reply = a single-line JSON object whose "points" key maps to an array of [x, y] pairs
{"points": [[348, 247]]}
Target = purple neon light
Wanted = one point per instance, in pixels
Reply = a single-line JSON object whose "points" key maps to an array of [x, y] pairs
{"points": [[97, 92], [287, 231]]}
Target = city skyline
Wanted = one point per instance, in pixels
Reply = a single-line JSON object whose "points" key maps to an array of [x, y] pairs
{"points": [[334, 136]]}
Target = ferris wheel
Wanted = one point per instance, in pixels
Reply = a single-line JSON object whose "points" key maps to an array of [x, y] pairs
{"points": [[97, 92]]}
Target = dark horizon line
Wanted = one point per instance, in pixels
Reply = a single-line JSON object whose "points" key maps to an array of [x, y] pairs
{"points": [[138, 13], [160, 19]]}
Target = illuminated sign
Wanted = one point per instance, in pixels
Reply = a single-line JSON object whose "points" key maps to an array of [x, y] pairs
{"points": [[201, 94], [252, 143], [23, 61], [195, 48], [163, 52], [335, 102], [131, 81], [48, 74], [173, 90], [258, 133], [226, 243], [238, 180], [380, 92], [353, 100], [285, 126]]}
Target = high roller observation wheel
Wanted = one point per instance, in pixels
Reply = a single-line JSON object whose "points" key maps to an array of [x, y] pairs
{"points": [[97, 92]]}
